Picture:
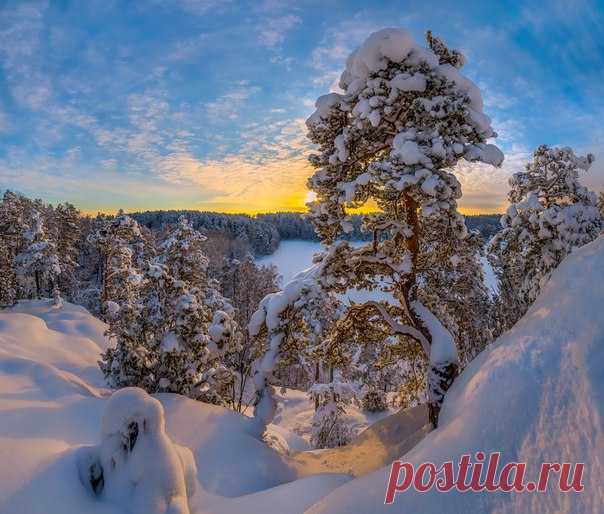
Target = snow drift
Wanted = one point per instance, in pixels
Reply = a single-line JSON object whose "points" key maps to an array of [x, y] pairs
{"points": [[59, 430], [536, 395]]}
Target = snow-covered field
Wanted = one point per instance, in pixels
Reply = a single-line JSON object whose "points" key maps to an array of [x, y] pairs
{"points": [[535, 396]]}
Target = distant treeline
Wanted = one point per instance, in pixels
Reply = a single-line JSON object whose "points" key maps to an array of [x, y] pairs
{"points": [[260, 237], [261, 234]]}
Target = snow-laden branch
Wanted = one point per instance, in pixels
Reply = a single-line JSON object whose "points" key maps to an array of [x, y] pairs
{"points": [[398, 328], [443, 348]]}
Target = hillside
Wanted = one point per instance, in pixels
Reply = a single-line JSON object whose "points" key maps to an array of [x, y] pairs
{"points": [[535, 396], [51, 398]]}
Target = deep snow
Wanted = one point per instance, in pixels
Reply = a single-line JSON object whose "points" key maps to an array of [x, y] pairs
{"points": [[535, 396], [51, 399]]}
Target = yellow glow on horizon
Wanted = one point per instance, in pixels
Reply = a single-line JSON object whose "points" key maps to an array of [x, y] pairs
{"points": [[296, 203]]}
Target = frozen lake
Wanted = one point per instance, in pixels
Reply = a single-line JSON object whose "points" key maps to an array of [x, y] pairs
{"points": [[294, 256]]}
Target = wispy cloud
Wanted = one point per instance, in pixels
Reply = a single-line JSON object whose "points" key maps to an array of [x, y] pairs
{"points": [[273, 31], [268, 172], [202, 101], [227, 105], [196, 7]]}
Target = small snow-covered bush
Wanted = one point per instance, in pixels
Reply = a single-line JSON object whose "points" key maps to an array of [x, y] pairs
{"points": [[328, 429], [374, 401], [328, 426]]}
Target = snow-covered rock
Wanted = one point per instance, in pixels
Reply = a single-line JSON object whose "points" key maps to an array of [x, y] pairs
{"points": [[141, 468]]}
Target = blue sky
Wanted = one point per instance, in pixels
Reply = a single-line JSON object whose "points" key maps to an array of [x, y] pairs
{"points": [[201, 103]]}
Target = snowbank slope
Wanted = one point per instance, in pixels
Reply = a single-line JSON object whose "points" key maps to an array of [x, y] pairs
{"points": [[537, 395], [51, 398]]}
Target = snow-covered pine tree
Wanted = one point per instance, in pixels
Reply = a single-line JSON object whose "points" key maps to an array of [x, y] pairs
{"points": [[550, 215], [38, 258], [183, 252], [169, 341], [118, 240], [67, 233], [405, 118], [11, 240], [8, 279]]}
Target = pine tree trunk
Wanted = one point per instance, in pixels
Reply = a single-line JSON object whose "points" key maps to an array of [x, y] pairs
{"points": [[38, 287], [316, 382], [440, 379], [411, 245]]}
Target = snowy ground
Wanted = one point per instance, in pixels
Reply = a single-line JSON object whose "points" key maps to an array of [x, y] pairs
{"points": [[535, 396], [52, 395]]}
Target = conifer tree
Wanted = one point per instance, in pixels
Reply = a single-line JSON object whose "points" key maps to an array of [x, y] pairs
{"points": [[8, 278], [169, 341], [182, 251], [67, 234], [38, 258], [405, 118], [328, 428], [550, 215], [118, 240], [11, 240]]}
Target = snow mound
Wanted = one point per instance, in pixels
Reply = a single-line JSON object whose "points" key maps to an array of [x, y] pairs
{"points": [[67, 318], [536, 395], [136, 466], [48, 352]]}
